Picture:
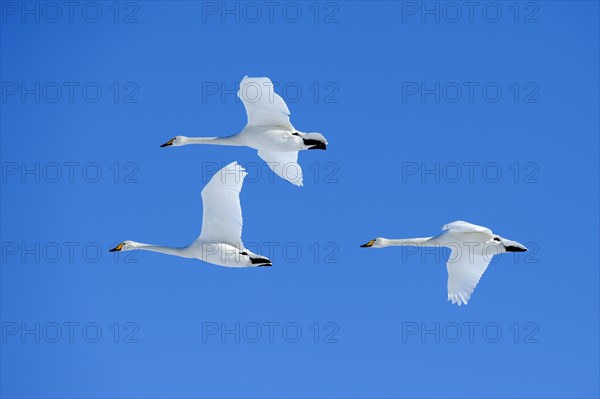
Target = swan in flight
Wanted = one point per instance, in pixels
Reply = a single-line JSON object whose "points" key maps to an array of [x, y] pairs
{"points": [[472, 250], [268, 130], [220, 240]]}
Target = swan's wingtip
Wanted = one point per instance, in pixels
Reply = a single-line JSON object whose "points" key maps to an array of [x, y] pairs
{"points": [[457, 299]]}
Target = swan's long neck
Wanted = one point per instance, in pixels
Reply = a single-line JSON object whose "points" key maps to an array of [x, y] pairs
{"points": [[233, 140], [182, 252], [406, 242]]}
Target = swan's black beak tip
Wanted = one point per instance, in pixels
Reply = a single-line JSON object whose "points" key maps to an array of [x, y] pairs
{"points": [[168, 143], [117, 248], [368, 245]]}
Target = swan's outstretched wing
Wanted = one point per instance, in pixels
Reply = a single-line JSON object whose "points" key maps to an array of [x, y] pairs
{"points": [[466, 227], [222, 212], [464, 273], [263, 106], [284, 164]]}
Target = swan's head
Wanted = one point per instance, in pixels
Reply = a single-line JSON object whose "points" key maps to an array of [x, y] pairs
{"points": [[175, 141], [375, 243], [124, 246], [506, 245]]}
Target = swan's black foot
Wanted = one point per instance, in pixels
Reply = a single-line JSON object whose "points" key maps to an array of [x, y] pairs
{"points": [[318, 146], [312, 143], [260, 261]]}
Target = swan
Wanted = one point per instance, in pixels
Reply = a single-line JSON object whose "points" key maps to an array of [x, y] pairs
{"points": [[220, 240], [268, 130], [472, 250]]}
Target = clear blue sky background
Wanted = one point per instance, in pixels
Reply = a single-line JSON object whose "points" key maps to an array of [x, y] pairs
{"points": [[352, 73]]}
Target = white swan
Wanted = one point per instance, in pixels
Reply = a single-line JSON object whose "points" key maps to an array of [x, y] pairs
{"points": [[268, 130], [220, 240], [472, 250]]}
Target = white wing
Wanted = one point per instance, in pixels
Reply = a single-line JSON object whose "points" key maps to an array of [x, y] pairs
{"points": [[466, 227], [464, 273], [284, 164], [222, 212], [263, 106]]}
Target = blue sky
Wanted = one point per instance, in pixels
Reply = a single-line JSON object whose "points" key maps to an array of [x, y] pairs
{"points": [[488, 115]]}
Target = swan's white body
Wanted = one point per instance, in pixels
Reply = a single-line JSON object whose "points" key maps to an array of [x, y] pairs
{"points": [[472, 250], [268, 130], [220, 240]]}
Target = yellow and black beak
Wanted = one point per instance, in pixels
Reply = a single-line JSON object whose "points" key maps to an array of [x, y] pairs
{"points": [[117, 248], [168, 143], [368, 245]]}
